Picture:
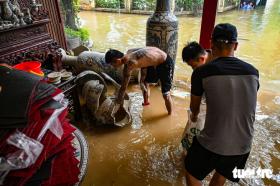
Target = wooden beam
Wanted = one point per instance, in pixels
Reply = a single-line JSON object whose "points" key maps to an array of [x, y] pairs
{"points": [[208, 22]]}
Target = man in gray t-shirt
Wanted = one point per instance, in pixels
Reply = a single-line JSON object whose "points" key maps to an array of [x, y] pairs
{"points": [[230, 86]]}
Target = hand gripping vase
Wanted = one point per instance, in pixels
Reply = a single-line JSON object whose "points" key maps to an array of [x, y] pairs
{"points": [[162, 29]]}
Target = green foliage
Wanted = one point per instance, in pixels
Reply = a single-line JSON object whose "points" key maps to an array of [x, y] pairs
{"points": [[230, 2], [189, 5], [82, 33], [76, 6], [70, 9], [143, 4], [183, 5], [109, 4]]}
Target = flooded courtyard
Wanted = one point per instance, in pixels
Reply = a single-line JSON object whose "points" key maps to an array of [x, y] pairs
{"points": [[149, 153]]}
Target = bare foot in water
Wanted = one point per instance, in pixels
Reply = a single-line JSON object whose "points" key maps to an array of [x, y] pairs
{"points": [[145, 103]]}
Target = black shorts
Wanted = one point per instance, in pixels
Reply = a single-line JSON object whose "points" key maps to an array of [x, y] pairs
{"points": [[163, 72], [200, 162]]}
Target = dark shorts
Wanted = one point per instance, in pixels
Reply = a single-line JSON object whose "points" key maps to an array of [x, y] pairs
{"points": [[200, 162], [163, 72]]}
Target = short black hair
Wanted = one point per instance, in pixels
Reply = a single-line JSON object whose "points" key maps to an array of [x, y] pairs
{"points": [[224, 32], [111, 54], [192, 51]]}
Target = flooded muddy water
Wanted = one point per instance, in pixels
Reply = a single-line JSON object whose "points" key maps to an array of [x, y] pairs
{"points": [[148, 152]]}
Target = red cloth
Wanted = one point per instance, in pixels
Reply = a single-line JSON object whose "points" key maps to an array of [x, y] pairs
{"points": [[64, 168], [52, 146]]}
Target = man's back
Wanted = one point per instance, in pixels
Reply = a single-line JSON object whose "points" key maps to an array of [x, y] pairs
{"points": [[145, 57], [230, 87]]}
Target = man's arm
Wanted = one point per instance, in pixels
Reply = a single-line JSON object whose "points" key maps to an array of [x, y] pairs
{"points": [[196, 93], [126, 78], [195, 106]]}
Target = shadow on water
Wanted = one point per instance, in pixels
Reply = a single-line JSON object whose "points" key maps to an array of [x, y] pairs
{"points": [[156, 118], [148, 152]]}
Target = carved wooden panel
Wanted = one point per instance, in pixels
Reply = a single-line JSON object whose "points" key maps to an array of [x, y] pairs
{"points": [[41, 14], [24, 34], [55, 26], [46, 52]]}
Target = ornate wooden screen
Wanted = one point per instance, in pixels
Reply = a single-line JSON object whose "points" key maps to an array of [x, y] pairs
{"points": [[55, 27], [24, 34]]}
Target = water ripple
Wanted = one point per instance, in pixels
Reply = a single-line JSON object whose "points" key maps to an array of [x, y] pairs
{"points": [[136, 109], [276, 100]]}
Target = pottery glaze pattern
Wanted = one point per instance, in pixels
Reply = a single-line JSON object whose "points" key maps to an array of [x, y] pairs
{"points": [[91, 60], [162, 29], [95, 61], [93, 90]]}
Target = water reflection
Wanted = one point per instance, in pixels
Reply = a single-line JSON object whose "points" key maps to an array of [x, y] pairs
{"points": [[259, 36], [277, 100], [136, 109], [149, 152], [152, 155]]}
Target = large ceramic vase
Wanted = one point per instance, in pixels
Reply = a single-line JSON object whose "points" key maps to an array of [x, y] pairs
{"points": [[162, 29], [95, 61]]}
